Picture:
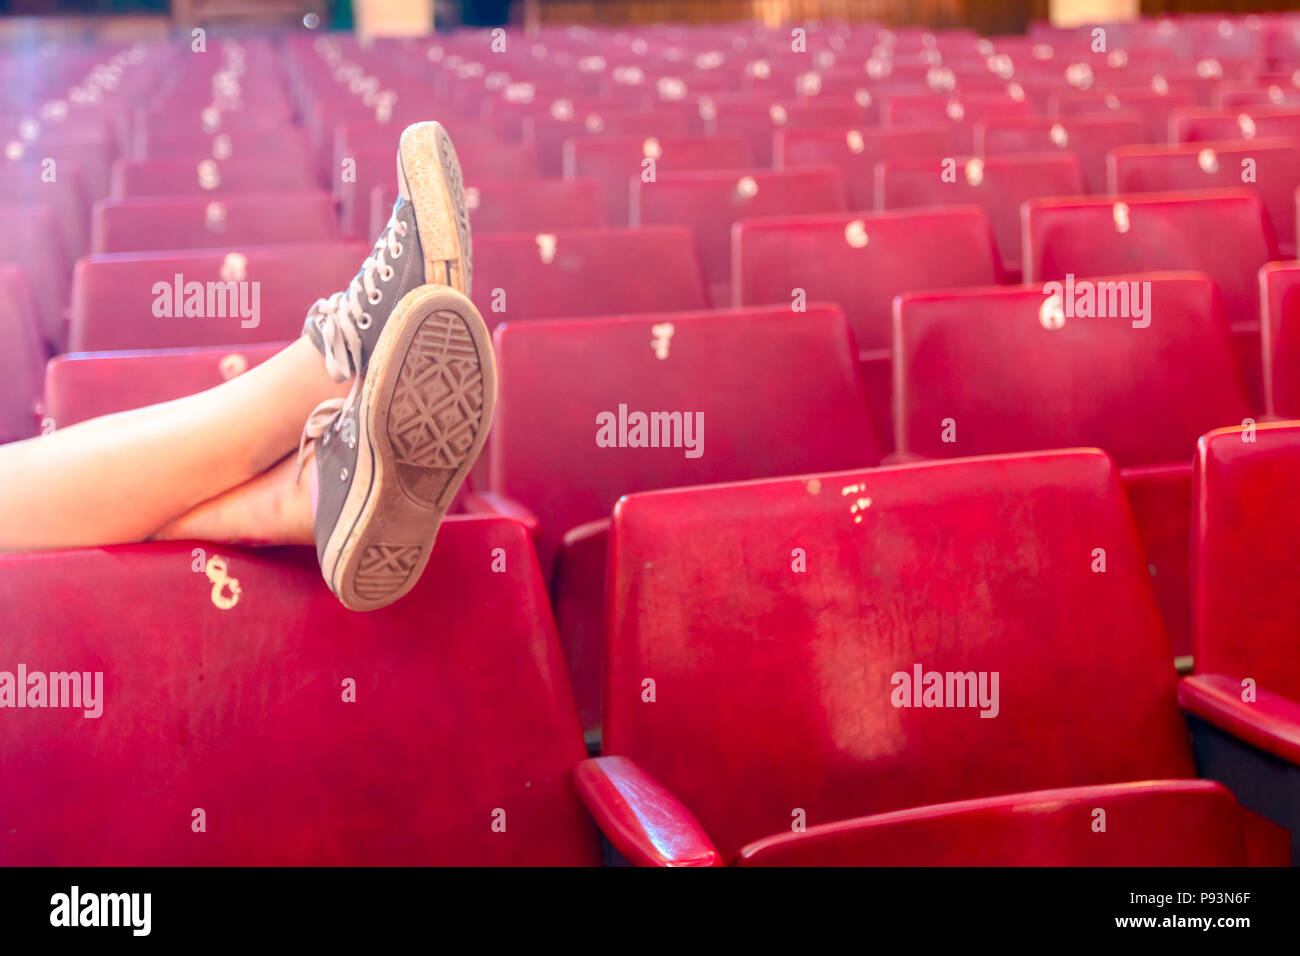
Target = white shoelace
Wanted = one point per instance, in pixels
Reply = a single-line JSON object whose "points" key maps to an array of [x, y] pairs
{"points": [[340, 320]]}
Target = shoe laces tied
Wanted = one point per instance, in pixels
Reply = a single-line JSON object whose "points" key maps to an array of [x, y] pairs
{"points": [[340, 318]]}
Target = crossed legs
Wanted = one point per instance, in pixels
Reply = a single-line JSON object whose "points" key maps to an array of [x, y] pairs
{"points": [[214, 465]]}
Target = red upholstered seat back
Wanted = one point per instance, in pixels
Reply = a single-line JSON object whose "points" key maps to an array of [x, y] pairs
{"points": [[1246, 598], [772, 617], [243, 711]]}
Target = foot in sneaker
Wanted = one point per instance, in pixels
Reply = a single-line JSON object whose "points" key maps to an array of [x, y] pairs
{"points": [[427, 240], [389, 464]]}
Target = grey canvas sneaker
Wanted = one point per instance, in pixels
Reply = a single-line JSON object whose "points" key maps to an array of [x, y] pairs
{"points": [[391, 456], [426, 240], [389, 463]]}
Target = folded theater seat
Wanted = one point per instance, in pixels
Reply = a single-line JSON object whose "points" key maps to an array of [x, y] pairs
{"points": [[509, 205], [565, 273], [1224, 233], [1200, 125], [862, 261], [855, 151], [1089, 136], [82, 385], [593, 409], [918, 664], [1156, 107], [1139, 365], [220, 297], [286, 143], [616, 162], [1245, 694], [1280, 334], [760, 118], [959, 112], [1271, 166], [197, 222], [551, 132], [997, 184], [711, 203], [141, 178], [31, 240]]}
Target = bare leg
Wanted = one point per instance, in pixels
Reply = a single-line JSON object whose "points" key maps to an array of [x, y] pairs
{"points": [[273, 508], [121, 478]]}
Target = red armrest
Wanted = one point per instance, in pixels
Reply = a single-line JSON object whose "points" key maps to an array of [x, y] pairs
{"points": [[645, 822], [1270, 722], [1151, 823], [491, 503]]}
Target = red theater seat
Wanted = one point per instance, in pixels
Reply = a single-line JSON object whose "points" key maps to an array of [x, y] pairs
{"points": [[1245, 694], [998, 184], [22, 184], [207, 177], [615, 162], [1048, 380], [85, 385], [305, 733], [130, 300], [355, 181], [138, 225], [549, 134], [856, 150], [862, 262], [533, 205], [92, 156], [1232, 96], [286, 143], [1201, 125], [958, 113], [30, 238], [1273, 165], [579, 272], [1246, 523], [493, 160], [1155, 107], [1280, 332], [759, 118], [1089, 136], [1223, 233], [851, 584], [777, 392], [362, 171], [23, 356], [200, 123], [710, 203]]}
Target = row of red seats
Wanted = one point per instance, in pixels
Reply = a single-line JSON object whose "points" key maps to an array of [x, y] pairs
{"points": [[829, 257], [781, 682], [860, 263], [1084, 379]]}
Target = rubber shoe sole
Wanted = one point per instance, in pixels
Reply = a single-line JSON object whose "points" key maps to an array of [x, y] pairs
{"points": [[431, 179], [425, 410]]}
